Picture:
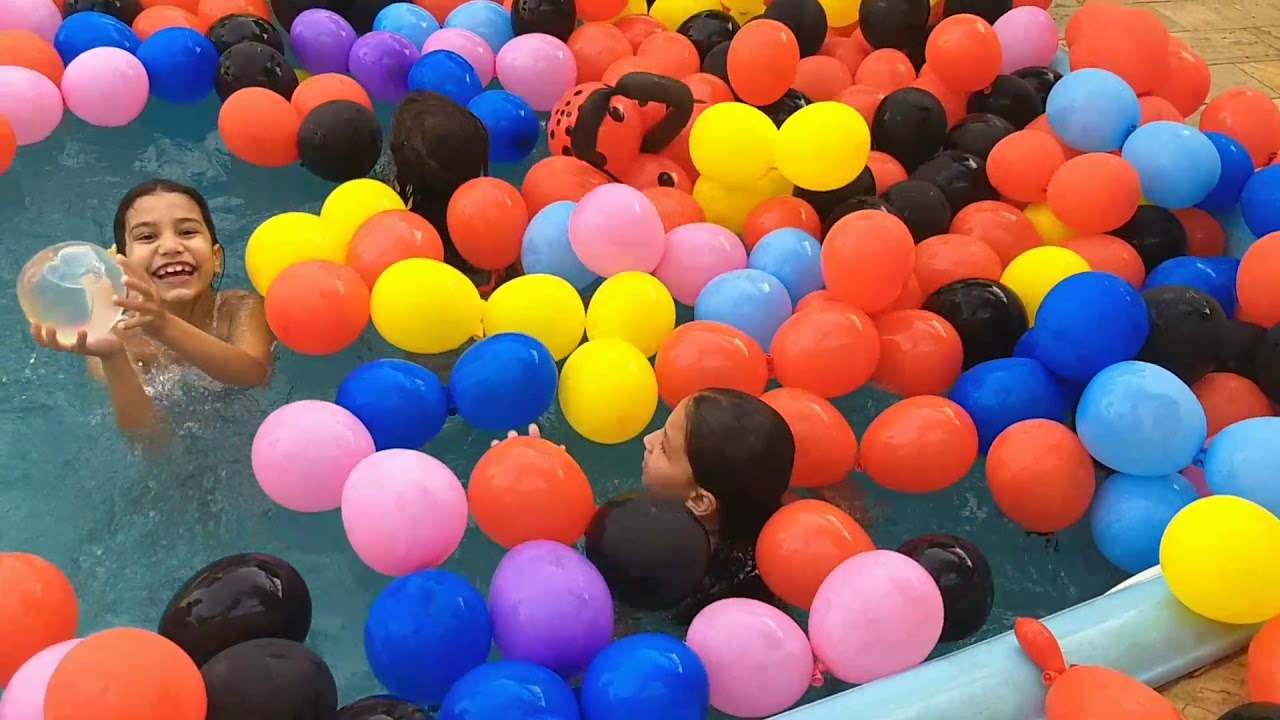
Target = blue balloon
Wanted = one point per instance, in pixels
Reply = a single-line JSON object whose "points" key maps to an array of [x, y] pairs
{"points": [[446, 73], [504, 382], [88, 30], [513, 125], [1242, 460], [408, 21], [181, 65], [545, 249], [794, 257], [1177, 164], [424, 632], [1129, 515], [1093, 110], [999, 393], [510, 690], [1061, 62], [1140, 419], [1215, 276], [1260, 201], [646, 676], [751, 300], [1237, 168], [401, 404], [1087, 322], [487, 19]]}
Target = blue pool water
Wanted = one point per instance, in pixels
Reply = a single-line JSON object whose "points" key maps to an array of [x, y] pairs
{"points": [[128, 531]]}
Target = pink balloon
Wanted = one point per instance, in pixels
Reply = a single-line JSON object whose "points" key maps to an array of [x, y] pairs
{"points": [[404, 511], [1028, 38], [696, 253], [23, 699], [39, 16], [878, 613], [303, 452], [757, 658], [539, 68], [106, 86], [469, 45], [30, 102], [616, 229]]}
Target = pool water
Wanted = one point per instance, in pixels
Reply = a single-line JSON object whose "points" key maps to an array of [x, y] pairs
{"points": [[129, 530]]}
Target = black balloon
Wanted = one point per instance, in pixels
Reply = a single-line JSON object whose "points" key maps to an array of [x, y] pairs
{"points": [[237, 598], [269, 679], [1008, 97], [1239, 350], [806, 19], [784, 107], [653, 553], [897, 24], [1188, 329], [824, 202], [339, 141], [556, 18], [1156, 234], [987, 316], [1266, 363], [126, 11], [717, 62], [961, 177], [851, 206], [964, 577], [361, 13], [1253, 711], [923, 208], [382, 707], [977, 133], [707, 29], [1041, 80], [989, 10], [235, 29], [910, 126], [252, 64], [286, 11]]}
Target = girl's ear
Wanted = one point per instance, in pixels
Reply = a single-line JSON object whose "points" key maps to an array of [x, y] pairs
{"points": [[217, 259], [701, 502]]}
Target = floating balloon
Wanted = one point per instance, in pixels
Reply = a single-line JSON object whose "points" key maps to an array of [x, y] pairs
{"points": [[802, 544], [146, 675], [381, 707], [529, 489], [509, 688], [964, 578], [1130, 513], [1163, 425], [39, 609], [633, 307], [700, 355], [503, 382], [269, 678], [826, 448], [608, 391], [1040, 476], [1090, 321], [919, 445], [830, 351], [646, 675], [987, 315], [303, 452], [1187, 328], [999, 393]]}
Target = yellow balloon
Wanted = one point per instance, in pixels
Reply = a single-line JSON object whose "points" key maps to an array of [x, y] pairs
{"points": [[841, 13], [424, 306], [355, 201], [633, 7], [287, 239], [822, 146], [545, 307], [1033, 274], [734, 142], [608, 391], [673, 12], [728, 205], [1218, 557], [634, 307], [1051, 230], [744, 10]]}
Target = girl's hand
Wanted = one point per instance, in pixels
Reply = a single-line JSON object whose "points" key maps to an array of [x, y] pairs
{"points": [[143, 302], [533, 432], [100, 347]]}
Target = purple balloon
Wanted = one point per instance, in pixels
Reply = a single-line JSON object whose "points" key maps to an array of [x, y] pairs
{"points": [[550, 606], [322, 39], [380, 61]]}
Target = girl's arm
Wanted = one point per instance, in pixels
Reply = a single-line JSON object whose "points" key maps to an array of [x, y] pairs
{"points": [[134, 412], [245, 360]]}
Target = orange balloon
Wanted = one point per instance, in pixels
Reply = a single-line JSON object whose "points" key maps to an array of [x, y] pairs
{"points": [[965, 52], [1089, 17], [800, 546], [596, 46], [1228, 398], [1085, 692], [819, 77], [595, 10], [211, 11], [708, 89], [1002, 226], [23, 48], [859, 39], [701, 355], [1041, 124], [826, 448], [260, 127], [439, 9], [320, 89], [1248, 117], [820, 298], [954, 102], [637, 28], [1205, 237], [886, 70], [126, 674], [780, 212], [8, 146], [1094, 193], [526, 488], [317, 307], [673, 54], [1021, 165], [38, 609], [675, 207], [862, 98], [1133, 45], [630, 64], [1110, 254], [389, 237], [944, 259], [486, 220], [1156, 109], [921, 444], [920, 353], [1256, 287], [557, 178], [1040, 475], [678, 150], [846, 51], [910, 298], [651, 171], [162, 17], [762, 61], [1185, 81], [189, 5], [1263, 665], [829, 351], [886, 171], [867, 257]]}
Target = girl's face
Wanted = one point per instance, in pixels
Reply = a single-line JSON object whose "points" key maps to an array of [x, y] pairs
{"points": [[166, 236], [666, 471]]}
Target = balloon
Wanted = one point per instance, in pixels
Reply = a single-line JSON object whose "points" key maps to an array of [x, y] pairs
{"points": [[1013, 98], [35, 16], [963, 576], [145, 674], [1001, 226], [254, 65], [503, 382], [260, 127], [85, 83], [546, 250], [466, 44], [303, 452], [919, 445], [762, 61], [866, 259], [920, 353], [987, 315], [24, 693], [526, 488], [509, 689], [750, 300], [616, 229], [1099, 192], [1186, 81], [1034, 273], [317, 307], [1205, 236], [407, 20], [653, 553], [823, 146], [352, 157], [1215, 277], [555, 19], [646, 675], [910, 126], [733, 142], [486, 19], [1028, 38], [1093, 110], [1236, 167], [830, 351], [1261, 668], [1155, 233], [608, 391], [633, 307], [1243, 114], [1252, 711], [1108, 254], [802, 544], [418, 288], [964, 50], [537, 67], [30, 104], [921, 206], [1040, 476], [231, 30], [381, 61], [88, 30], [1178, 165], [381, 707], [961, 177], [1257, 298], [544, 307], [1130, 514], [389, 237], [322, 41], [976, 134], [1088, 322], [1187, 327], [269, 678], [352, 203], [180, 65], [447, 73], [998, 393], [1236, 462], [512, 125], [700, 355], [1228, 399], [39, 609], [487, 219], [826, 449], [944, 259], [694, 255], [729, 205]]}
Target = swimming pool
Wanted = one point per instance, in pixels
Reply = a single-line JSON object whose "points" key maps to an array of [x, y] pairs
{"points": [[128, 531]]}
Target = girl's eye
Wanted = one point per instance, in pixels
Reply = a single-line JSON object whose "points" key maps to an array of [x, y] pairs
{"points": [[189, 232], [145, 238]]}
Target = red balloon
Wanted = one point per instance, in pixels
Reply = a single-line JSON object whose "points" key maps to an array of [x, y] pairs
{"points": [[867, 257], [920, 353], [389, 237], [525, 488], [920, 445], [830, 351], [762, 61], [701, 355], [1248, 117], [1185, 81], [780, 212], [557, 178], [826, 448], [651, 171], [486, 219], [1132, 44], [965, 52], [317, 307]]}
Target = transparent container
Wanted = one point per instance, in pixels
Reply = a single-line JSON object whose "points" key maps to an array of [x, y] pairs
{"points": [[72, 287]]}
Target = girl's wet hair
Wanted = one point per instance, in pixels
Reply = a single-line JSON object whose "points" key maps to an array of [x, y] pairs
{"points": [[158, 187]]}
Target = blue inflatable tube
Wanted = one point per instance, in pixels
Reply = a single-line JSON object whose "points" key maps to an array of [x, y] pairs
{"points": [[1140, 630]]}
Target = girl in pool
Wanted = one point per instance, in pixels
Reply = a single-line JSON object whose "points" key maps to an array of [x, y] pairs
{"points": [[166, 244]]}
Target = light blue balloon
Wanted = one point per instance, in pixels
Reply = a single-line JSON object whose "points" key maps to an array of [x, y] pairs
{"points": [[1239, 237], [750, 300], [794, 257], [1177, 164], [1140, 419], [1061, 62], [1093, 110], [1244, 459], [546, 249], [408, 21], [487, 19], [1129, 515]]}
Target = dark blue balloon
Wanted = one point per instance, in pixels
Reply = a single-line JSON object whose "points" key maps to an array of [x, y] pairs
{"points": [[1087, 322], [510, 690], [1029, 347], [513, 125], [88, 30], [446, 73], [424, 632], [504, 382], [999, 393], [1260, 201], [1237, 168], [402, 404], [181, 65], [1214, 277], [646, 676]]}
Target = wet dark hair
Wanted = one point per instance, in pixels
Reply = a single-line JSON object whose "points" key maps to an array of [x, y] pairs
{"points": [[158, 187]]}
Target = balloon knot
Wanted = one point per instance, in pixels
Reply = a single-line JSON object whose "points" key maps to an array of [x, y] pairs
{"points": [[1198, 460], [818, 670], [768, 361], [1049, 677]]}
